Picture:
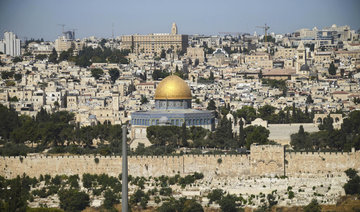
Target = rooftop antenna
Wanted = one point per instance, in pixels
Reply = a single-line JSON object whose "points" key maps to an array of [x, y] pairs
{"points": [[112, 25]]}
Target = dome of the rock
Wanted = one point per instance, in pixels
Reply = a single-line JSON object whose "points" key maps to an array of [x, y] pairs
{"points": [[172, 88]]}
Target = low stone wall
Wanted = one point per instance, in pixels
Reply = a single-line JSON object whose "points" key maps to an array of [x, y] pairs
{"points": [[264, 160]]}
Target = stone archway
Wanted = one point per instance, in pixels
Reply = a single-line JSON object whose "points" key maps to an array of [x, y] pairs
{"points": [[319, 121]]}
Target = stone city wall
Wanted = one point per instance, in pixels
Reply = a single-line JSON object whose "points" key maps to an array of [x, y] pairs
{"points": [[210, 165], [263, 160], [320, 163]]}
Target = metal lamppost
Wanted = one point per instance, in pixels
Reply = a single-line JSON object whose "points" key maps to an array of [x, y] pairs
{"points": [[124, 180]]}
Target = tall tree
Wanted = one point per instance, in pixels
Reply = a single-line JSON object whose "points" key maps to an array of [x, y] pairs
{"points": [[332, 69], [211, 105], [53, 56], [114, 74], [163, 53], [241, 133], [309, 99], [184, 134]]}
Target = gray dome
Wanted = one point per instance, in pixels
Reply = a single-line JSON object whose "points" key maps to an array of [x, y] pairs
{"points": [[305, 67]]}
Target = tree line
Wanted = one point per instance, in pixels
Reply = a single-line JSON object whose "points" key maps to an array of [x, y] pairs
{"points": [[328, 138], [171, 137], [56, 130], [18, 192], [266, 112], [88, 55]]}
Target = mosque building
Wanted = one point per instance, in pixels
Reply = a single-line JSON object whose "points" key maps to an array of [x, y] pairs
{"points": [[172, 107]]}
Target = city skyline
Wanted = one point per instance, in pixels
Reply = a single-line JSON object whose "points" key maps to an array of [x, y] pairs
{"points": [[41, 19]]}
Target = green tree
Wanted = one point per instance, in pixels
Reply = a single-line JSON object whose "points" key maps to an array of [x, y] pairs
{"points": [[332, 69], [267, 112], [241, 133], [309, 100], [114, 74], [248, 113], [41, 56], [280, 84], [53, 56], [158, 74], [301, 140], [18, 77], [139, 197], [223, 135], [163, 53], [143, 99], [164, 135], [211, 105], [9, 121], [73, 200], [211, 77], [17, 59], [192, 206], [313, 206], [97, 73], [184, 135], [15, 192], [228, 203], [110, 199], [353, 185], [256, 134], [65, 55], [7, 74], [215, 195]]}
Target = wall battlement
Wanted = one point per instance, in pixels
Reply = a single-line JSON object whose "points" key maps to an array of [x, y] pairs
{"points": [[264, 160]]}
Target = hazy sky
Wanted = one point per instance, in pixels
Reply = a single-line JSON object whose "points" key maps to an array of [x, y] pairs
{"points": [[40, 18]]}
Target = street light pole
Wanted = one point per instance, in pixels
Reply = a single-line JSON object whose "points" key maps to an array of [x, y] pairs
{"points": [[124, 180]]}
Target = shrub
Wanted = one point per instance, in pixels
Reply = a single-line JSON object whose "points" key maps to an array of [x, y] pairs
{"points": [[215, 195], [110, 199], [73, 200], [165, 191], [228, 203], [96, 160], [313, 206], [291, 194]]}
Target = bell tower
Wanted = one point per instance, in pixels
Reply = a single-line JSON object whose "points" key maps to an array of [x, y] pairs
{"points": [[174, 29], [300, 54]]}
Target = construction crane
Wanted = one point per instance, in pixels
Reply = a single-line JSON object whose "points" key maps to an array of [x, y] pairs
{"points": [[63, 25], [266, 27], [231, 33]]}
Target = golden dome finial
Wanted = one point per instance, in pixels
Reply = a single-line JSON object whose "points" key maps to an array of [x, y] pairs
{"points": [[171, 88]]}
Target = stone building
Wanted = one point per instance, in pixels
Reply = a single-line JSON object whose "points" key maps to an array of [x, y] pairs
{"points": [[153, 44], [196, 53], [259, 60]]}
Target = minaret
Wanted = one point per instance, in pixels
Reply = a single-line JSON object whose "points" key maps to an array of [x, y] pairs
{"points": [[174, 29]]}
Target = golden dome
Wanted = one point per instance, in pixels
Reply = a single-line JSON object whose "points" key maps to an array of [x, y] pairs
{"points": [[172, 87]]}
